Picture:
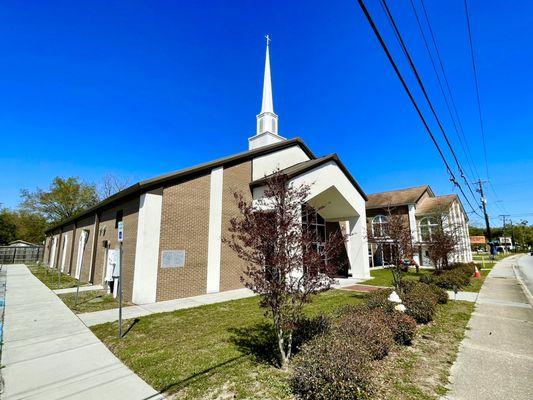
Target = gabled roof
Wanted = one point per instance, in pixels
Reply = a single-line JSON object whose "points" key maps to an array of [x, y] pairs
{"points": [[302, 167], [153, 183], [434, 205], [398, 197]]}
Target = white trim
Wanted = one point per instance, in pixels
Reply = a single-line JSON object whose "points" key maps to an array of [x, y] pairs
{"points": [[81, 247], [53, 251], [215, 230], [147, 247], [64, 256]]}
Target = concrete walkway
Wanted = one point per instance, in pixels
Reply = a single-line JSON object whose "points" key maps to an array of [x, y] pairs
{"points": [[100, 317], [88, 288], [49, 353], [495, 359]]}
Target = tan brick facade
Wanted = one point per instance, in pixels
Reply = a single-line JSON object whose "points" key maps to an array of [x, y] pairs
{"points": [[184, 226], [108, 231], [236, 179]]}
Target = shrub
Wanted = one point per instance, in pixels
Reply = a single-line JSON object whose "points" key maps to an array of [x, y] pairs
{"points": [[456, 276], [421, 302], [308, 328], [332, 366], [368, 326], [403, 327], [379, 299], [442, 295]]}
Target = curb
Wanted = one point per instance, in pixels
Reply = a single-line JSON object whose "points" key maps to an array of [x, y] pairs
{"points": [[525, 289]]}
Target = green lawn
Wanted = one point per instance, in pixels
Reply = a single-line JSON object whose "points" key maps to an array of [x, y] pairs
{"points": [[210, 351], [50, 277], [226, 350], [383, 277], [96, 300], [421, 371], [476, 283], [483, 260]]}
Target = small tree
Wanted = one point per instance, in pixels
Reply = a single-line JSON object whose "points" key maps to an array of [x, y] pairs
{"points": [[397, 236], [443, 240], [285, 264]]}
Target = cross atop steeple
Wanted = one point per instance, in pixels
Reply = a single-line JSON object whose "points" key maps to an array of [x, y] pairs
{"points": [[267, 39]]}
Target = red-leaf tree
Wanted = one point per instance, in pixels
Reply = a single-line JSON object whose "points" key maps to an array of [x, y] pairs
{"points": [[396, 235], [286, 262]]}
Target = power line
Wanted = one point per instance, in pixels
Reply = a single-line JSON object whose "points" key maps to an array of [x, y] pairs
{"points": [[410, 95], [426, 96], [476, 84], [459, 126]]}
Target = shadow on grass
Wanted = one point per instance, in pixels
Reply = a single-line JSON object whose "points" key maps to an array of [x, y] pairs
{"points": [[182, 384], [260, 340], [135, 321], [257, 340]]}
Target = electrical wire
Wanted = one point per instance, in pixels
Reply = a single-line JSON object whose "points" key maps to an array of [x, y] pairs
{"points": [[411, 97], [426, 96]]}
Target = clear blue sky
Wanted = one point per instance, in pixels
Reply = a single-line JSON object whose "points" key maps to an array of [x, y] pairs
{"points": [[142, 88]]}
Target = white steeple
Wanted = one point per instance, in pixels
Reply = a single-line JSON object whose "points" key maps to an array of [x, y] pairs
{"points": [[267, 120]]}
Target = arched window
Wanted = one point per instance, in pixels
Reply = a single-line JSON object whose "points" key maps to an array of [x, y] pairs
{"points": [[428, 226], [379, 226]]}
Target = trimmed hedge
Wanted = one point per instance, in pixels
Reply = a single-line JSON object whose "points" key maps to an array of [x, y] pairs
{"points": [[308, 328], [421, 302], [332, 366], [456, 276], [371, 327], [403, 327]]}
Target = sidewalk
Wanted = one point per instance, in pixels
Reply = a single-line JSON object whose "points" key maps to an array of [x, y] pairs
{"points": [[101, 317], [49, 353], [88, 288], [495, 359]]}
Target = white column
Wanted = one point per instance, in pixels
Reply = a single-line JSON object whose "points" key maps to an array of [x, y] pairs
{"points": [[357, 248], [215, 230], [64, 256], [414, 230], [53, 252], [147, 247]]}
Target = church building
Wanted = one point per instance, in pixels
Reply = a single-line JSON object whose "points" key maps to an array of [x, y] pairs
{"points": [[173, 223]]}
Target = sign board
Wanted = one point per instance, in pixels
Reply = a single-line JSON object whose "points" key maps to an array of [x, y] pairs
{"points": [[172, 258], [120, 231]]}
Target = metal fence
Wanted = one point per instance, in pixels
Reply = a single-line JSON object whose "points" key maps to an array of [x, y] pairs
{"points": [[20, 255]]}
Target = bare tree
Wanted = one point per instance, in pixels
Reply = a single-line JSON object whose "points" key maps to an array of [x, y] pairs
{"points": [[286, 262], [443, 240], [111, 184], [396, 235]]}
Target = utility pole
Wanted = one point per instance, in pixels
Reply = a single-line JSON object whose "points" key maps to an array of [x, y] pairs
{"points": [[504, 219], [484, 207]]}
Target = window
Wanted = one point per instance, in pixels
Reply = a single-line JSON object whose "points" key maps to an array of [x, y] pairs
{"points": [[379, 226], [428, 226], [118, 217]]}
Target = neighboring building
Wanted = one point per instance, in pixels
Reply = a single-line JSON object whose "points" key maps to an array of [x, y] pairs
{"points": [[419, 206], [173, 223], [22, 243], [479, 243], [504, 244]]}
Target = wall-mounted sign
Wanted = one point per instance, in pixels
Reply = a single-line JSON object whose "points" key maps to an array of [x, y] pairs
{"points": [[120, 227], [172, 258]]}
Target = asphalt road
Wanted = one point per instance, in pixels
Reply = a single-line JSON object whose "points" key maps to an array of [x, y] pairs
{"points": [[525, 266]]}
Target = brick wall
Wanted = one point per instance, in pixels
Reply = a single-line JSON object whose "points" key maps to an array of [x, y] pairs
{"points": [[108, 231], [184, 226], [236, 179]]}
